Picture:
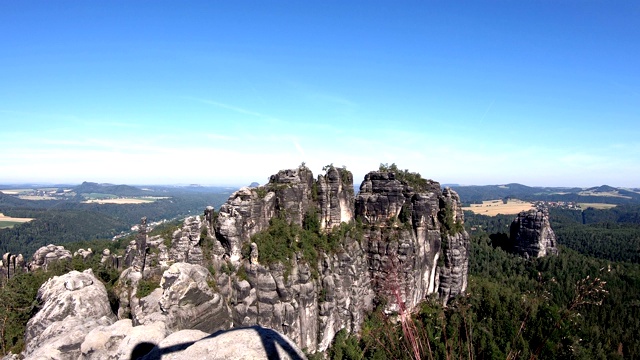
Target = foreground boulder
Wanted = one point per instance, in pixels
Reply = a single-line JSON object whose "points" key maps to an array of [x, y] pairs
{"points": [[71, 306], [120, 340], [251, 343]]}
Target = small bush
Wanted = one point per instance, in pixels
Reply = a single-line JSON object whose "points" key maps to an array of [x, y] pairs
{"points": [[146, 287]]}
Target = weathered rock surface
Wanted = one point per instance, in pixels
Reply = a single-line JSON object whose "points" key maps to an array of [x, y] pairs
{"points": [[246, 213], [185, 302], [111, 260], [85, 254], [532, 235], [455, 250], [252, 343], [335, 197], [118, 340], [396, 260], [185, 246], [47, 255], [408, 237], [248, 210], [10, 265], [72, 305]]}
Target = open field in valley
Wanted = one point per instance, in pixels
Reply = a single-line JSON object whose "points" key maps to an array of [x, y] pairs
{"points": [[495, 207], [8, 221], [123, 201]]}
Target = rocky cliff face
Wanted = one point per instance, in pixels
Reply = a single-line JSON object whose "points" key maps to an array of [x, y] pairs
{"points": [[404, 252], [532, 235], [395, 243], [408, 236], [335, 197]]}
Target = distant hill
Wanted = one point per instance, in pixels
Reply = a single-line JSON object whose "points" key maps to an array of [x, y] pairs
{"points": [[118, 190], [599, 194]]}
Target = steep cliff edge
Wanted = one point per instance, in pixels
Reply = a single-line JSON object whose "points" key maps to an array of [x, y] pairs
{"points": [[410, 229], [302, 256], [408, 242], [532, 235]]}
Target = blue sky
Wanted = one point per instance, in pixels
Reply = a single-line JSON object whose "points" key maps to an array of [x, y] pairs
{"points": [[544, 93]]}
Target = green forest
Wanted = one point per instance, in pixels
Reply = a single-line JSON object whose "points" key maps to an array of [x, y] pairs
{"points": [[62, 222]]}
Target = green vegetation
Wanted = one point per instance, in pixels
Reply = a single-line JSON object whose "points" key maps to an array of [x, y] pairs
{"points": [[18, 297], [242, 273], [8, 224], [261, 191], [603, 194], [412, 179], [562, 307], [146, 287], [610, 234], [283, 240], [98, 196], [446, 218], [59, 227]]}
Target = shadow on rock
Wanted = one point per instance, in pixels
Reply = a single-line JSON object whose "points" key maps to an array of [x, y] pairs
{"points": [[253, 342], [142, 349]]}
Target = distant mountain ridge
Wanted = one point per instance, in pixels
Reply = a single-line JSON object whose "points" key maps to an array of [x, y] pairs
{"points": [[598, 194], [118, 190]]}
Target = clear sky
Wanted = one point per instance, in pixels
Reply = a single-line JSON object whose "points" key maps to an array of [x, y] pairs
{"points": [[544, 93]]}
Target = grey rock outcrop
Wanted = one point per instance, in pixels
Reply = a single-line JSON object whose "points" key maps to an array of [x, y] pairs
{"points": [[85, 254], [47, 255], [413, 244], [111, 260], [72, 305], [532, 235], [184, 301], [185, 246], [10, 265], [453, 278], [246, 213], [248, 210], [335, 197], [411, 251]]}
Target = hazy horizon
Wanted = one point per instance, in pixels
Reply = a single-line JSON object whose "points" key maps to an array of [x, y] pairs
{"points": [[356, 182], [538, 93]]}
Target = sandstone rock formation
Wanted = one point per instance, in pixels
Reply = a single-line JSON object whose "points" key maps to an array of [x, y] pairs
{"points": [[10, 265], [85, 254], [398, 243], [111, 260], [531, 234], [413, 244], [48, 254], [335, 197], [185, 246], [252, 343], [120, 339], [72, 305], [408, 236]]}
